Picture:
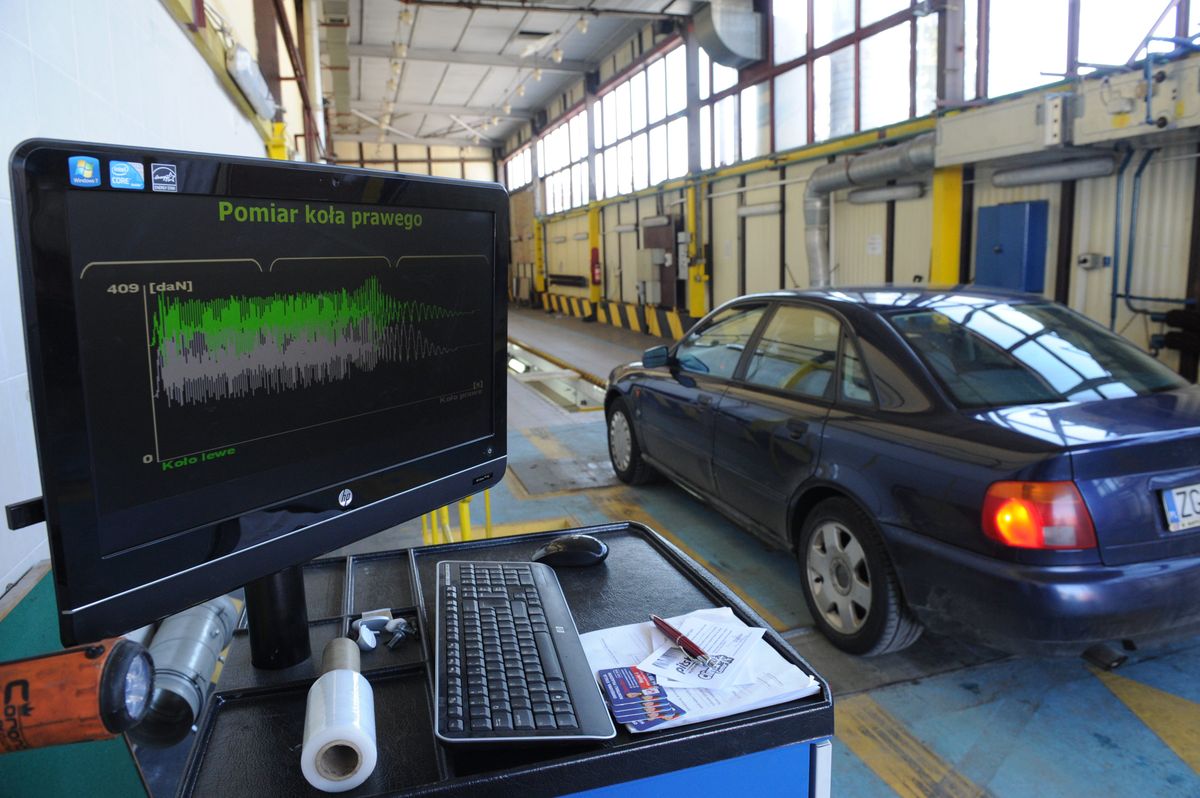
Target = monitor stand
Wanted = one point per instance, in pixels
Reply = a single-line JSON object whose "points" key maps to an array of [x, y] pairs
{"points": [[278, 619]]}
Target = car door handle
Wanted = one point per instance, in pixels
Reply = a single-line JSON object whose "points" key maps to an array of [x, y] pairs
{"points": [[704, 399], [796, 428]]}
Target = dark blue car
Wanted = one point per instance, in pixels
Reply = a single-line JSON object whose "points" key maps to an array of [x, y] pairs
{"points": [[987, 465]]}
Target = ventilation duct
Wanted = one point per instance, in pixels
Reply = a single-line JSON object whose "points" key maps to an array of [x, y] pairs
{"points": [[909, 159], [1055, 172], [731, 32]]}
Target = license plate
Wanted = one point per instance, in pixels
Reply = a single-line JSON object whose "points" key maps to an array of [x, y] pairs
{"points": [[1183, 507]]}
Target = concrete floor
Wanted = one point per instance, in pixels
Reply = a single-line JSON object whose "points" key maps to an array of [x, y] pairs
{"points": [[939, 719]]}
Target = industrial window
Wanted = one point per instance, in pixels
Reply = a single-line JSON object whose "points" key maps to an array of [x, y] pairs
{"points": [[706, 152], [599, 172], [610, 118], [832, 19], [884, 60], [562, 158], [790, 29], [797, 352], [725, 131], [637, 102], [791, 109], [641, 166], [624, 167], [677, 148], [658, 154], [676, 80], [656, 90], [1109, 30], [621, 105], [517, 170], [875, 10], [756, 120], [704, 70], [925, 90], [833, 95], [723, 77], [1027, 38]]}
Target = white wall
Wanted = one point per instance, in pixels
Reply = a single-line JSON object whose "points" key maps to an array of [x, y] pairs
{"points": [[118, 71]]}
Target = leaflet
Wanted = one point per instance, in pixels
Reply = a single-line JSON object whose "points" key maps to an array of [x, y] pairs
{"points": [[728, 646], [767, 677]]}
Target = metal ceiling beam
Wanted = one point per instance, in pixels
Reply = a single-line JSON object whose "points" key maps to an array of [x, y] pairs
{"points": [[478, 59], [555, 8], [420, 141], [443, 110]]}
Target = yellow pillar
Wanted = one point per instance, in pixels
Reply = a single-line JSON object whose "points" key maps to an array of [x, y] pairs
{"points": [[539, 257], [464, 518], [277, 145], [697, 293], [594, 253], [947, 225]]}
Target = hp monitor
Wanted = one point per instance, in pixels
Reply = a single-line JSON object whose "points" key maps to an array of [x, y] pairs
{"points": [[237, 365]]}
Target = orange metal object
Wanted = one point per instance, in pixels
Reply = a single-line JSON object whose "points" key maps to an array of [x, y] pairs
{"points": [[54, 698]]}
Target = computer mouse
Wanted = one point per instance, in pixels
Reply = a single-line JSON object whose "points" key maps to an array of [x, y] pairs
{"points": [[574, 550]]}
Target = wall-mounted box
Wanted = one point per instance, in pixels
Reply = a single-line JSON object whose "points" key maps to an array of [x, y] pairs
{"points": [[1010, 247], [1114, 107], [1009, 127]]}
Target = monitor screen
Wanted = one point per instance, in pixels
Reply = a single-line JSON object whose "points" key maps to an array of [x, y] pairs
{"points": [[247, 364]]}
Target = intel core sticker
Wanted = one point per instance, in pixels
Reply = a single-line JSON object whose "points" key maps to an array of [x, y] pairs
{"points": [[126, 174], [84, 171], [163, 177]]}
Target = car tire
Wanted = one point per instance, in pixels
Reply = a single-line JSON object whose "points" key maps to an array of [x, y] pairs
{"points": [[849, 582], [623, 449]]}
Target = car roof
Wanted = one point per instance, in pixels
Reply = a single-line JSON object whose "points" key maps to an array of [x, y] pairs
{"points": [[894, 297]]}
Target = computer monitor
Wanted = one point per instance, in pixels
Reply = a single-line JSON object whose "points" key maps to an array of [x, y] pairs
{"points": [[239, 364]]}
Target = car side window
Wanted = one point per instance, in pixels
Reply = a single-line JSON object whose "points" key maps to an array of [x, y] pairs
{"points": [[855, 385], [797, 352], [717, 347]]}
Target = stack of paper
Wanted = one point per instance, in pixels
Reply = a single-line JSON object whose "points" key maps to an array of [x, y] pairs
{"points": [[744, 673]]}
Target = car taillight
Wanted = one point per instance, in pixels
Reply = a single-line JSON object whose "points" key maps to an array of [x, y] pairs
{"points": [[1038, 515]]}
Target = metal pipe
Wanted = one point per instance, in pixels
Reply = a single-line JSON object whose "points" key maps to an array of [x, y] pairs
{"points": [[1133, 217], [909, 158], [310, 124], [1116, 266], [1062, 171], [553, 8]]}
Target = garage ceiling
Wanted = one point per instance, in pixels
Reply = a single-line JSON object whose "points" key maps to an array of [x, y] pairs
{"points": [[461, 72]]}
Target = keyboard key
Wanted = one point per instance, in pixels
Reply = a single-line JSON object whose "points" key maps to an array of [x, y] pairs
{"points": [[522, 719], [545, 720]]}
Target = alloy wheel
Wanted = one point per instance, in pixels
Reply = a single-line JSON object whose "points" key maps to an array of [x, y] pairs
{"points": [[838, 577], [620, 441]]}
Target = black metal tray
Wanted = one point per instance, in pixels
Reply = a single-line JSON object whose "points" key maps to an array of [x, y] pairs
{"points": [[250, 733]]}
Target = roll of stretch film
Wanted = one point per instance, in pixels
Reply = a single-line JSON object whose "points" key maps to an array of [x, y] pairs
{"points": [[339, 726]]}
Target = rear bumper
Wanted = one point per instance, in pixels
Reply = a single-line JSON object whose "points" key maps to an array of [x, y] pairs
{"points": [[1043, 609]]}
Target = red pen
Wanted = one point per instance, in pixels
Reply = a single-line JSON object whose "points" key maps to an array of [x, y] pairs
{"points": [[678, 638]]}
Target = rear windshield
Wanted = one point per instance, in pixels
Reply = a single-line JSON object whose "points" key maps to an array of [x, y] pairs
{"points": [[995, 354]]}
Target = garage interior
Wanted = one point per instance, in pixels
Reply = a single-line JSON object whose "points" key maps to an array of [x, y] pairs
{"points": [[664, 157]]}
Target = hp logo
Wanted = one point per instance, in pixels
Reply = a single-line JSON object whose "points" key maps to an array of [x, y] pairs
{"points": [[345, 497]]}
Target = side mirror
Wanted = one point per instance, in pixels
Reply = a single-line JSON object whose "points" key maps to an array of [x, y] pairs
{"points": [[655, 357]]}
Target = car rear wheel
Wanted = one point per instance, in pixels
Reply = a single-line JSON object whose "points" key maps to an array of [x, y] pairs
{"points": [[850, 585], [623, 448]]}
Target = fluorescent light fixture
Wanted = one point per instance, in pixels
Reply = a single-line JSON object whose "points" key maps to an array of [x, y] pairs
{"points": [[625, 228], [580, 236], [763, 209], [249, 78], [867, 196], [656, 221], [559, 239]]}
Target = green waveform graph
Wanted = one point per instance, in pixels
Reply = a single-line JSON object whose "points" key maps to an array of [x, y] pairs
{"points": [[239, 346]]}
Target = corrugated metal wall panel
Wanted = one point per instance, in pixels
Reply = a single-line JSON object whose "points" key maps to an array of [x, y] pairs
{"points": [[762, 234], [795, 256], [914, 236], [629, 247], [1161, 247], [987, 195], [610, 252], [725, 242], [857, 232]]}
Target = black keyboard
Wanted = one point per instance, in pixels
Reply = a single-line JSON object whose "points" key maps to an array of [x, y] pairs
{"points": [[509, 663]]}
